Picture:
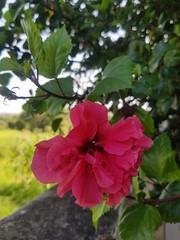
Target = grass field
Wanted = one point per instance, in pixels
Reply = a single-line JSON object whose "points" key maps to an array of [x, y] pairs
{"points": [[17, 183]]}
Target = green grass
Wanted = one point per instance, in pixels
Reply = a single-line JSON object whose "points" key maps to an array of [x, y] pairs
{"points": [[17, 183]]}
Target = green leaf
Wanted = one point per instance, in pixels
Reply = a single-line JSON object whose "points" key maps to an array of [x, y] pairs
{"points": [[8, 64], [170, 210], [137, 51], [34, 106], [147, 86], [135, 184], [172, 58], [177, 29], [2, 3], [159, 162], [5, 92], [137, 70], [146, 120], [55, 124], [33, 38], [56, 49], [4, 79], [98, 211], [54, 105], [139, 222], [157, 54], [105, 4], [117, 76], [27, 68]]}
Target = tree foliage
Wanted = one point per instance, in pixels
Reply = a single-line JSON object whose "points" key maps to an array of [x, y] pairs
{"points": [[133, 46]]}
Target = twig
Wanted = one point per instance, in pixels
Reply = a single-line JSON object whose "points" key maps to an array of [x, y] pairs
{"points": [[25, 97], [131, 197], [158, 201], [34, 79]]}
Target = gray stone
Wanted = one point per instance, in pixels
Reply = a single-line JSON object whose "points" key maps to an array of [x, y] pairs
{"points": [[48, 217]]}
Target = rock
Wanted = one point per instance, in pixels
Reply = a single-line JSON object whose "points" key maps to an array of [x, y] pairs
{"points": [[48, 217]]}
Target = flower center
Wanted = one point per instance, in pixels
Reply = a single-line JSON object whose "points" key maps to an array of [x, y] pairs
{"points": [[92, 147]]}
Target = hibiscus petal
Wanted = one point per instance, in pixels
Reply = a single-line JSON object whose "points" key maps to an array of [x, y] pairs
{"points": [[144, 142], [50, 142], [40, 169], [95, 112], [124, 129], [124, 190], [102, 179], [60, 154], [86, 189], [76, 114], [114, 199], [66, 183], [117, 148], [82, 133], [88, 111]]}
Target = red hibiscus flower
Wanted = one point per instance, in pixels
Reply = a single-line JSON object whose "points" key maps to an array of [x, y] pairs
{"points": [[95, 160]]}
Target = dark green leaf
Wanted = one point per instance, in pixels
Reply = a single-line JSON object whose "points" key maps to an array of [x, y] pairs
{"points": [[55, 124], [5, 92], [170, 210], [137, 51], [117, 76], [159, 162], [177, 30], [98, 211], [146, 120], [157, 54], [147, 86], [2, 3], [33, 38], [141, 89], [8, 64], [8, 16], [34, 106], [65, 83], [172, 58], [56, 49], [4, 79], [164, 88], [139, 222], [55, 105]]}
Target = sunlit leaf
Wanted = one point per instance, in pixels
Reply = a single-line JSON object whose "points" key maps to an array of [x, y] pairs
{"points": [[98, 211], [159, 162], [33, 38], [146, 120], [56, 49], [139, 222], [117, 75], [157, 54], [170, 210]]}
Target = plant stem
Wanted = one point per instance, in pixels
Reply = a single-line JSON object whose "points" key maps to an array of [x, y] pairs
{"points": [[35, 80], [156, 201]]}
